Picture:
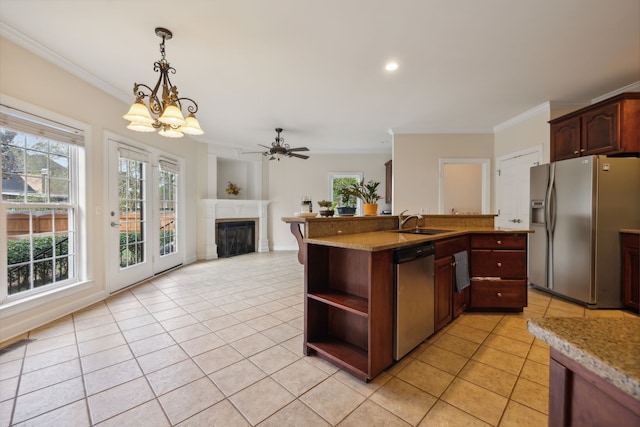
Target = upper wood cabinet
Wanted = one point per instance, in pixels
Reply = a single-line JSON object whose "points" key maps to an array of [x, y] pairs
{"points": [[388, 181], [611, 126]]}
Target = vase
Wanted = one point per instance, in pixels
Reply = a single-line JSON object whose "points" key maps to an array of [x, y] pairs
{"points": [[346, 211], [370, 209]]}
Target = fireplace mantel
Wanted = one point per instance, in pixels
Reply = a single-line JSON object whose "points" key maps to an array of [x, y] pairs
{"points": [[223, 209]]}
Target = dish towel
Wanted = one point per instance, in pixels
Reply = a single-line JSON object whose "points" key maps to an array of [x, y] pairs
{"points": [[462, 270]]}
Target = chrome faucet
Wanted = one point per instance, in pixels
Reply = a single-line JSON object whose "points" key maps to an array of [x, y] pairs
{"points": [[404, 221]]}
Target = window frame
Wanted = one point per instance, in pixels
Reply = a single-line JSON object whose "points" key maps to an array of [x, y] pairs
{"points": [[76, 203], [335, 175]]}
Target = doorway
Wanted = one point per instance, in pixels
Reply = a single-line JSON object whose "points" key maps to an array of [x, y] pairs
{"points": [[464, 186], [512, 187], [143, 214]]}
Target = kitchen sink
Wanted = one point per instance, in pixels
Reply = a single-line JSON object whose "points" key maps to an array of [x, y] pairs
{"points": [[428, 231]]}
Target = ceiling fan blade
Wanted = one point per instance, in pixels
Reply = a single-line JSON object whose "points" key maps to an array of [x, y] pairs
{"points": [[265, 146], [299, 149], [300, 156], [254, 152]]}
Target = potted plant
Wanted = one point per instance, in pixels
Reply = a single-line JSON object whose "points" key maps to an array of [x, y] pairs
{"points": [[326, 207], [367, 192], [348, 201]]}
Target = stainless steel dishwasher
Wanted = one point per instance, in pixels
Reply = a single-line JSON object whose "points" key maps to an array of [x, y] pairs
{"points": [[414, 297]]}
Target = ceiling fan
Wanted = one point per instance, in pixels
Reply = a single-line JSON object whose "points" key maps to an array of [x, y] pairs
{"points": [[279, 149]]}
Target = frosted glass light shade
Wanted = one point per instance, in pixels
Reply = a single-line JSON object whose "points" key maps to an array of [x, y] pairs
{"points": [[170, 133], [172, 116], [139, 113], [141, 127], [192, 126]]}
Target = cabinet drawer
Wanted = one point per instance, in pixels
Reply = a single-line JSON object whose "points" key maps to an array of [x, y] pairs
{"points": [[507, 264], [499, 241], [498, 293], [451, 246]]}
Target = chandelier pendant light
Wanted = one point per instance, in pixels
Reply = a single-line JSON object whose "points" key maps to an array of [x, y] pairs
{"points": [[163, 111]]}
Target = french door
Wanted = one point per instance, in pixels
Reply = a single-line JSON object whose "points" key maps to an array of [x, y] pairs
{"points": [[143, 215]]}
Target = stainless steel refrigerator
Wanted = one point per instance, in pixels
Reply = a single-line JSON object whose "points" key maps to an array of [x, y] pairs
{"points": [[577, 208]]}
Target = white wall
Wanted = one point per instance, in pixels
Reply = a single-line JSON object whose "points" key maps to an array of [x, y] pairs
{"points": [[35, 81], [416, 169], [290, 179]]}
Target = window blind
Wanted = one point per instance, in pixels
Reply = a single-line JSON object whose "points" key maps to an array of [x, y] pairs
{"points": [[24, 122]]}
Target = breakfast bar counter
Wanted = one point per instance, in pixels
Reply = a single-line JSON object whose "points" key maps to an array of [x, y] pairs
{"points": [[594, 369]]}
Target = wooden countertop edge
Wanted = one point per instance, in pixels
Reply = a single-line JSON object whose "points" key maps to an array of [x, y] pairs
{"points": [[391, 239], [630, 230]]}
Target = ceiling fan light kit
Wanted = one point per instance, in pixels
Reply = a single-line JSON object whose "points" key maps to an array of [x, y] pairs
{"points": [[279, 149], [163, 111]]}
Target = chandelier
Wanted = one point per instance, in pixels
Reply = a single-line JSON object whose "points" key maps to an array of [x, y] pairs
{"points": [[164, 110]]}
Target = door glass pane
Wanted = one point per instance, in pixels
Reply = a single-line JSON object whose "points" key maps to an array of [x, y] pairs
{"points": [[132, 205], [168, 215]]}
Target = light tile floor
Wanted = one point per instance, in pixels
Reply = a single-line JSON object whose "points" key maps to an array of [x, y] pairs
{"points": [[220, 343]]}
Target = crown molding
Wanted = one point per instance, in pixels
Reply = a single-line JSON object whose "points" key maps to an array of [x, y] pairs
{"points": [[545, 106], [438, 131], [633, 87], [47, 54]]}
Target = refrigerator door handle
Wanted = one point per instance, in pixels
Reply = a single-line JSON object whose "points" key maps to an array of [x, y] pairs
{"points": [[550, 222]]}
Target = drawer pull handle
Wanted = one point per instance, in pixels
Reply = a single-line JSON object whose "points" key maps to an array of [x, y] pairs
{"points": [[499, 294], [499, 264], [500, 241]]}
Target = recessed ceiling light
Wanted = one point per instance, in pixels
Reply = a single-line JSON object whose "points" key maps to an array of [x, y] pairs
{"points": [[391, 66]]}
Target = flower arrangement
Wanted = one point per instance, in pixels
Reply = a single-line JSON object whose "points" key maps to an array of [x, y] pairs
{"points": [[232, 189]]}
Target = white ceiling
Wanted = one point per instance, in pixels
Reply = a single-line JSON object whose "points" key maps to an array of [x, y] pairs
{"points": [[316, 68]]}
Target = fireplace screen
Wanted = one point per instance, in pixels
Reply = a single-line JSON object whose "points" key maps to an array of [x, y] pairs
{"points": [[236, 238]]}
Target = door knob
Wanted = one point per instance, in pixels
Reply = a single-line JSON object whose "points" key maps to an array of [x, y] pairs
{"points": [[115, 224]]}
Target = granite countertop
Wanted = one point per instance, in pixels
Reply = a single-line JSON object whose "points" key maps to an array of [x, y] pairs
{"points": [[390, 239], [608, 347]]}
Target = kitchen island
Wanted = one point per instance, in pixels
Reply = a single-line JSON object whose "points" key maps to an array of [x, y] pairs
{"points": [[594, 371], [349, 281]]}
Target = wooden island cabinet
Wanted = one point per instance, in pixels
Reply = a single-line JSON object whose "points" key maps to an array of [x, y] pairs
{"points": [[349, 308], [449, 303], [499, 271], [631, 270], [350, 283]]}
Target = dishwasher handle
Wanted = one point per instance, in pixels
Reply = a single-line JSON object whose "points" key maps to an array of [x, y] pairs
{"points": [[411, 253]]}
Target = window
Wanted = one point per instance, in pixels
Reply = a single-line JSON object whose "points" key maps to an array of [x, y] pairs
{"points": [[338, 180], [39, 206], [168, 187]]}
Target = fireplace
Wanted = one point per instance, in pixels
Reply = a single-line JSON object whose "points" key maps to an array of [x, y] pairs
{"points": [[235, 238], [217, 211]]}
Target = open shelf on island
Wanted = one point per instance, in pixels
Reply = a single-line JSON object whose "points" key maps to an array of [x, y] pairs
{"points": [[346, 355], [343, 300]]}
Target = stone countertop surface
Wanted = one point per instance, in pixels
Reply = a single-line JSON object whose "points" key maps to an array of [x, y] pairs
{"points": [[391, 239], [608, 347], [630, 230]]}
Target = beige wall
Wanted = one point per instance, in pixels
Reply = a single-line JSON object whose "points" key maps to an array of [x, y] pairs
{"points": [[33, 80], [416, 164], [462, 185], [291, 179], [528, 132]]}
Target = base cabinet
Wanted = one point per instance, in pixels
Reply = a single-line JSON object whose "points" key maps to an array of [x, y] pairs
{"points": [[580, 398], [499, 271], [449, 303], [631, 270], [349, 308]]}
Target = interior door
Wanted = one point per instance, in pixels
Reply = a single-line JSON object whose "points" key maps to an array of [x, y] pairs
{"points": [[512, 189], [128, 216]]}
